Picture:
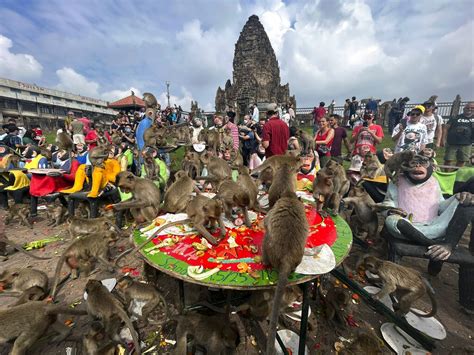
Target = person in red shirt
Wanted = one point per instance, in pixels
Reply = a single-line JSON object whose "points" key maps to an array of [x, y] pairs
{"points": [[275, 133], [97, 134], [366, 136], [318, 113], [323, 140]]}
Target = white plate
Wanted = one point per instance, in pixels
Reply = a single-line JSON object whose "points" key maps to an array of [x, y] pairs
{"points": [[109, 283], [305, 195], [398, 340], [230, 224], [297, 314], [317, 260], [290, 340], [429, 326], [184, 229]]}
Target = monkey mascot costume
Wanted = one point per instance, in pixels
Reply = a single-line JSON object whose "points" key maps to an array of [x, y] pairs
{"points": [[426, 218]]}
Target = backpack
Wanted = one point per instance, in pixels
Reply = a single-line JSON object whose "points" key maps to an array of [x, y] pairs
{"points": [[7, 140]]}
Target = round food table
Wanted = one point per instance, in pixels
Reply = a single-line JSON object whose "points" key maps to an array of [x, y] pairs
{"points": [[235, 263]]}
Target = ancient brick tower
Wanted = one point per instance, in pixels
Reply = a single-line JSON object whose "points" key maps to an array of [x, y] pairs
{"points": [[256, 74]]}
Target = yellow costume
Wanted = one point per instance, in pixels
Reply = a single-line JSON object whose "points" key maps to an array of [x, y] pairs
{"points": [[21, 180], [100, 177], [34, 163]]}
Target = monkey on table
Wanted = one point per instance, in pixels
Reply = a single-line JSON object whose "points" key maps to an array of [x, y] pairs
{"points": [[26, 323], [232, 195], [177, 196], [286, 230], [408, 283], [101, 304], [202, 211]]}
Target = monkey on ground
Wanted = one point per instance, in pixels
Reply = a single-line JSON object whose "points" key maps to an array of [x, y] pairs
{"points": [[133, 290], [82, 254], [28, 322], [20, 210], [286, 230], [29, 284], [245, 346], [5, 240], [408, 283], [232, 195], [211, 332], [84, 226], [101, 304], [201, 211], [365, 343], [393, 164], [177, 196], [97, 342], [146, 197], [338, 305], [284, 182], [56, 214], [371, 167]]}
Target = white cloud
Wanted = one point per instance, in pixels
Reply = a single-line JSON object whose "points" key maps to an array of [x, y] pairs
{"points": [[17, 66], [73, 82], [115, 95]]}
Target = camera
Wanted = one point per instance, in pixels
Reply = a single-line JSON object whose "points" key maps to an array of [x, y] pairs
{"points": [[365, 124]]}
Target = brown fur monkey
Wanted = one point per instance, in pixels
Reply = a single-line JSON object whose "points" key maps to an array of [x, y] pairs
{"points": [[284, 182], [178, 195], [393, 165], [29, 284], [276, 161], [191, 164], [286, 230], [365, 218], [97, 342], [101, 304], [218, 169], [395, 277], [26, 323], [248, 184], [152, 169], [84, 226], [82, 254], [56, 214], [371, 167], [307, 142], [234, 195], [20, 210], [146, 197], [134, 290]]}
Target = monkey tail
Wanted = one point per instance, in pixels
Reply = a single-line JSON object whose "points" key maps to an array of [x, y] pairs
{"points": [[21, 250], [434, 304], [283, 274], [137, 248], [55, 309], [59, 266], [123, 315]]}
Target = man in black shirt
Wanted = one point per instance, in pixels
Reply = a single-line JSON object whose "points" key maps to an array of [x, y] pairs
{"points": [[459, 137]]}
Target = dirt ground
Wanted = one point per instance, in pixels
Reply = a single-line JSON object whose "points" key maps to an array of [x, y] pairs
{"points": [[322, 334]]}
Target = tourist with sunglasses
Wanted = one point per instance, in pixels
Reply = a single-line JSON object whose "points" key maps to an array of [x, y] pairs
{"points": [[411, 134]]}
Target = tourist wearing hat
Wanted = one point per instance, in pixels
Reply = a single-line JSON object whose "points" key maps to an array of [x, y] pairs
{"points": [[411, 134], [433, 125], [275, 133]]}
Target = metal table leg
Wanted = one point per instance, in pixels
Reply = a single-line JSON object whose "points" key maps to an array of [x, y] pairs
{"points": [[182, 301], [304, 318]]}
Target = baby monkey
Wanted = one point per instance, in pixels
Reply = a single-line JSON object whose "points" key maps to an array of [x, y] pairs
{"points": [[20, 210]]}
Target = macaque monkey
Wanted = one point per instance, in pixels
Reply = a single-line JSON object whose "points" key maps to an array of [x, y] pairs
{"points": [[371, 167], [83, 210], [20, 210], [5, 240], [152, 169], [274, 162], [365, 217], [56, 214], [98, 155], [101, 304], [211, 332], [212, 139], [150, 100], [191, 164], [201, 211], [64, 141], [266, 177], [286, 230], [26, 323], [234, 195], [84, 226], [177, 196], [227, 140], [146, 197], [307, 142], [133, 290], [218, 169], [393, 164], [245, 346], [402, 279], [248, 184], [28, 284], [236, 160], [82, 254], [154, 136], [338, 305], [340, 180], [97, 342], [284, 183], [365, 343]]}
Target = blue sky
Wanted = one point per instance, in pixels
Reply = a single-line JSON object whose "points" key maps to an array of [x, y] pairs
{"points": [[327, 49]]}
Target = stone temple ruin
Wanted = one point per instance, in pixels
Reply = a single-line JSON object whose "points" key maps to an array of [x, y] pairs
{"points": [[256, 74]]}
